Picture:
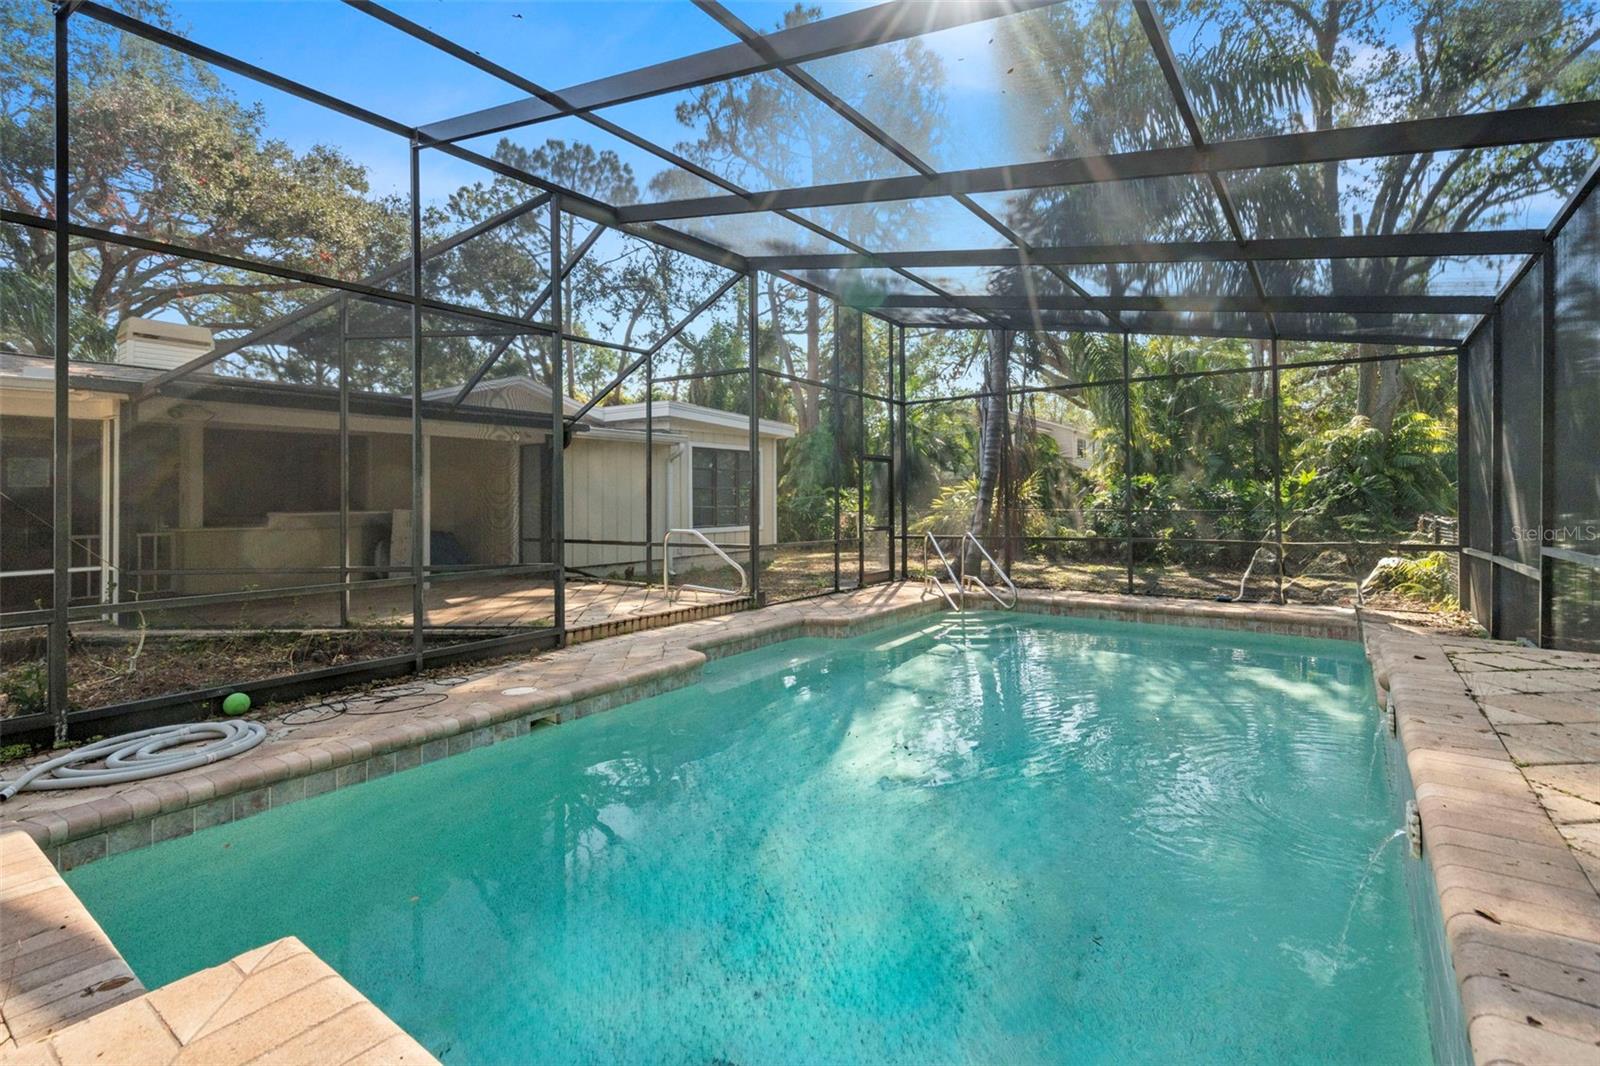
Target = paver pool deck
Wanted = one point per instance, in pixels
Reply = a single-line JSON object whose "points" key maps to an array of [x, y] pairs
{"points": [[1502, 744]]}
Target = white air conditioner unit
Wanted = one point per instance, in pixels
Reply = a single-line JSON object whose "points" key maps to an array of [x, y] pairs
{"points": [[160, 345]]}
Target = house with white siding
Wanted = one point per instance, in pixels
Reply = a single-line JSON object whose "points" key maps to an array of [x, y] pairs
{"points": [[215, 476]]}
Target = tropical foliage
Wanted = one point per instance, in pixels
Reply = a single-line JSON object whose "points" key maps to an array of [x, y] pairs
{"points": [[163, 147]]}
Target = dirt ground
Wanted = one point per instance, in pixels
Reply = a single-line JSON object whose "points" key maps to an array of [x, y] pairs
{"points": [[121, 671]]}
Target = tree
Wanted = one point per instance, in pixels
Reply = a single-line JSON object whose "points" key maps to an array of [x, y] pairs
{"points": [[1362, 61], [993, 441], [766, 131], [162, 149]]}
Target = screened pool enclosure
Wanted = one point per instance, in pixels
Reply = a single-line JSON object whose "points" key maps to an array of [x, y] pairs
{"points": [[339, 340]]}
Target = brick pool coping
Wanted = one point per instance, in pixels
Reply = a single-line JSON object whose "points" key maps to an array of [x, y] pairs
{"points": [[1522, 917], [1520, 907]]}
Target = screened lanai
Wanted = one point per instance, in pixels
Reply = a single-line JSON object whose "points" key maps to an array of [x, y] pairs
{"points": [[368, 338]]}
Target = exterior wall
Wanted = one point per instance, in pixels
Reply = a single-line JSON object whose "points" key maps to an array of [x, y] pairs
{"points": [[604, 498], [605, 485], [1067, 438]]}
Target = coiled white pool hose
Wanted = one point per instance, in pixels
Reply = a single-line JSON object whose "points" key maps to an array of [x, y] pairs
{"points": [[138, 755]]}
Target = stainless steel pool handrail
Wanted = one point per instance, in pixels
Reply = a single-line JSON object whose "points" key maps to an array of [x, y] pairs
{"points": [[666, 565], [976, 543], [930, 580]]}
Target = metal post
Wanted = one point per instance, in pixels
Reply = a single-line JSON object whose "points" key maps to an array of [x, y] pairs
{"points": [[114, 547], [127, 422], [858, 434], [61, 446], [107, 432], [1547, 435], [344, 463], [837, 422], [558, 428], [900, 469], [650, 472], [961, 573], [1497, 497], [1008, 488], [755, 441], [1277, 468], [418, 605], [895, 458], [1127, 460], [1464, 563]]}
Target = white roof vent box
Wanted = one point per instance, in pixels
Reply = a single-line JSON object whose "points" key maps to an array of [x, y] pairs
{"points": [[160, 345]]}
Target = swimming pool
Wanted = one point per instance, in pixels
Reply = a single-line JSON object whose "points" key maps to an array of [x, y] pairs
{"points": [[990, 838]]}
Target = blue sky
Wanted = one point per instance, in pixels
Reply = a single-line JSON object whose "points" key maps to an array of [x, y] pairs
{"points": [[331, 47]]}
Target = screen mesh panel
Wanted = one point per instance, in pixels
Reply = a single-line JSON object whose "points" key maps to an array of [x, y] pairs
{"points": [[1074, 78], [1575, 592], [1477, 492], [1370, 195], [1168, 208], [1517, 514], [1482, 275], [1521, 363]]}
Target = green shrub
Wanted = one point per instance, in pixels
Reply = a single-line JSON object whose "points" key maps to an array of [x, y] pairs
{"points": [[26, 688]]}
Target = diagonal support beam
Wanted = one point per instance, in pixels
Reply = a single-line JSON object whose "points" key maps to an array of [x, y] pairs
{"points": [[1527, 125], [299, 315], [854, 30], [493, 357], [666, 338]]}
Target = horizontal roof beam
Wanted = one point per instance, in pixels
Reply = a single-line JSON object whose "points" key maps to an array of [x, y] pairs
{"points": [[1528, 125], [1023, 324], [881, 24], [1397, 245], [1372, 305]]}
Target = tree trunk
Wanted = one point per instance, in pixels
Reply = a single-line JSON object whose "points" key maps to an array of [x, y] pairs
{"points": [[1366, 386], [803, 396], [1387, 403], [991, 439], [809, 396]]}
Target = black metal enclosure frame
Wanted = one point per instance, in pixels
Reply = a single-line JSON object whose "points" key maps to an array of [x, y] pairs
{"points": [[1543, 589]]}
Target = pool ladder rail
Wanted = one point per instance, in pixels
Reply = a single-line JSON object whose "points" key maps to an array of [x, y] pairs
{"points": [[932, 583], [666, 565]]}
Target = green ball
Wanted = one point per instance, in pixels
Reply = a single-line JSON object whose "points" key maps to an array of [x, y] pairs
{"points": [[236, 703]]}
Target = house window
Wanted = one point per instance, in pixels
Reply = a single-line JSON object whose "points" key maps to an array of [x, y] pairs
{"points": [[1083, 448], [721, 487]]}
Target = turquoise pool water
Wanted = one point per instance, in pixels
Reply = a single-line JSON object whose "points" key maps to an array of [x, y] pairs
{"points": [[1009, 839]]}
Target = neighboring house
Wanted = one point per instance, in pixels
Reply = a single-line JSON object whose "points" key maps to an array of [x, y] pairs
{"points": [[221, 474], [1076, 442]]}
